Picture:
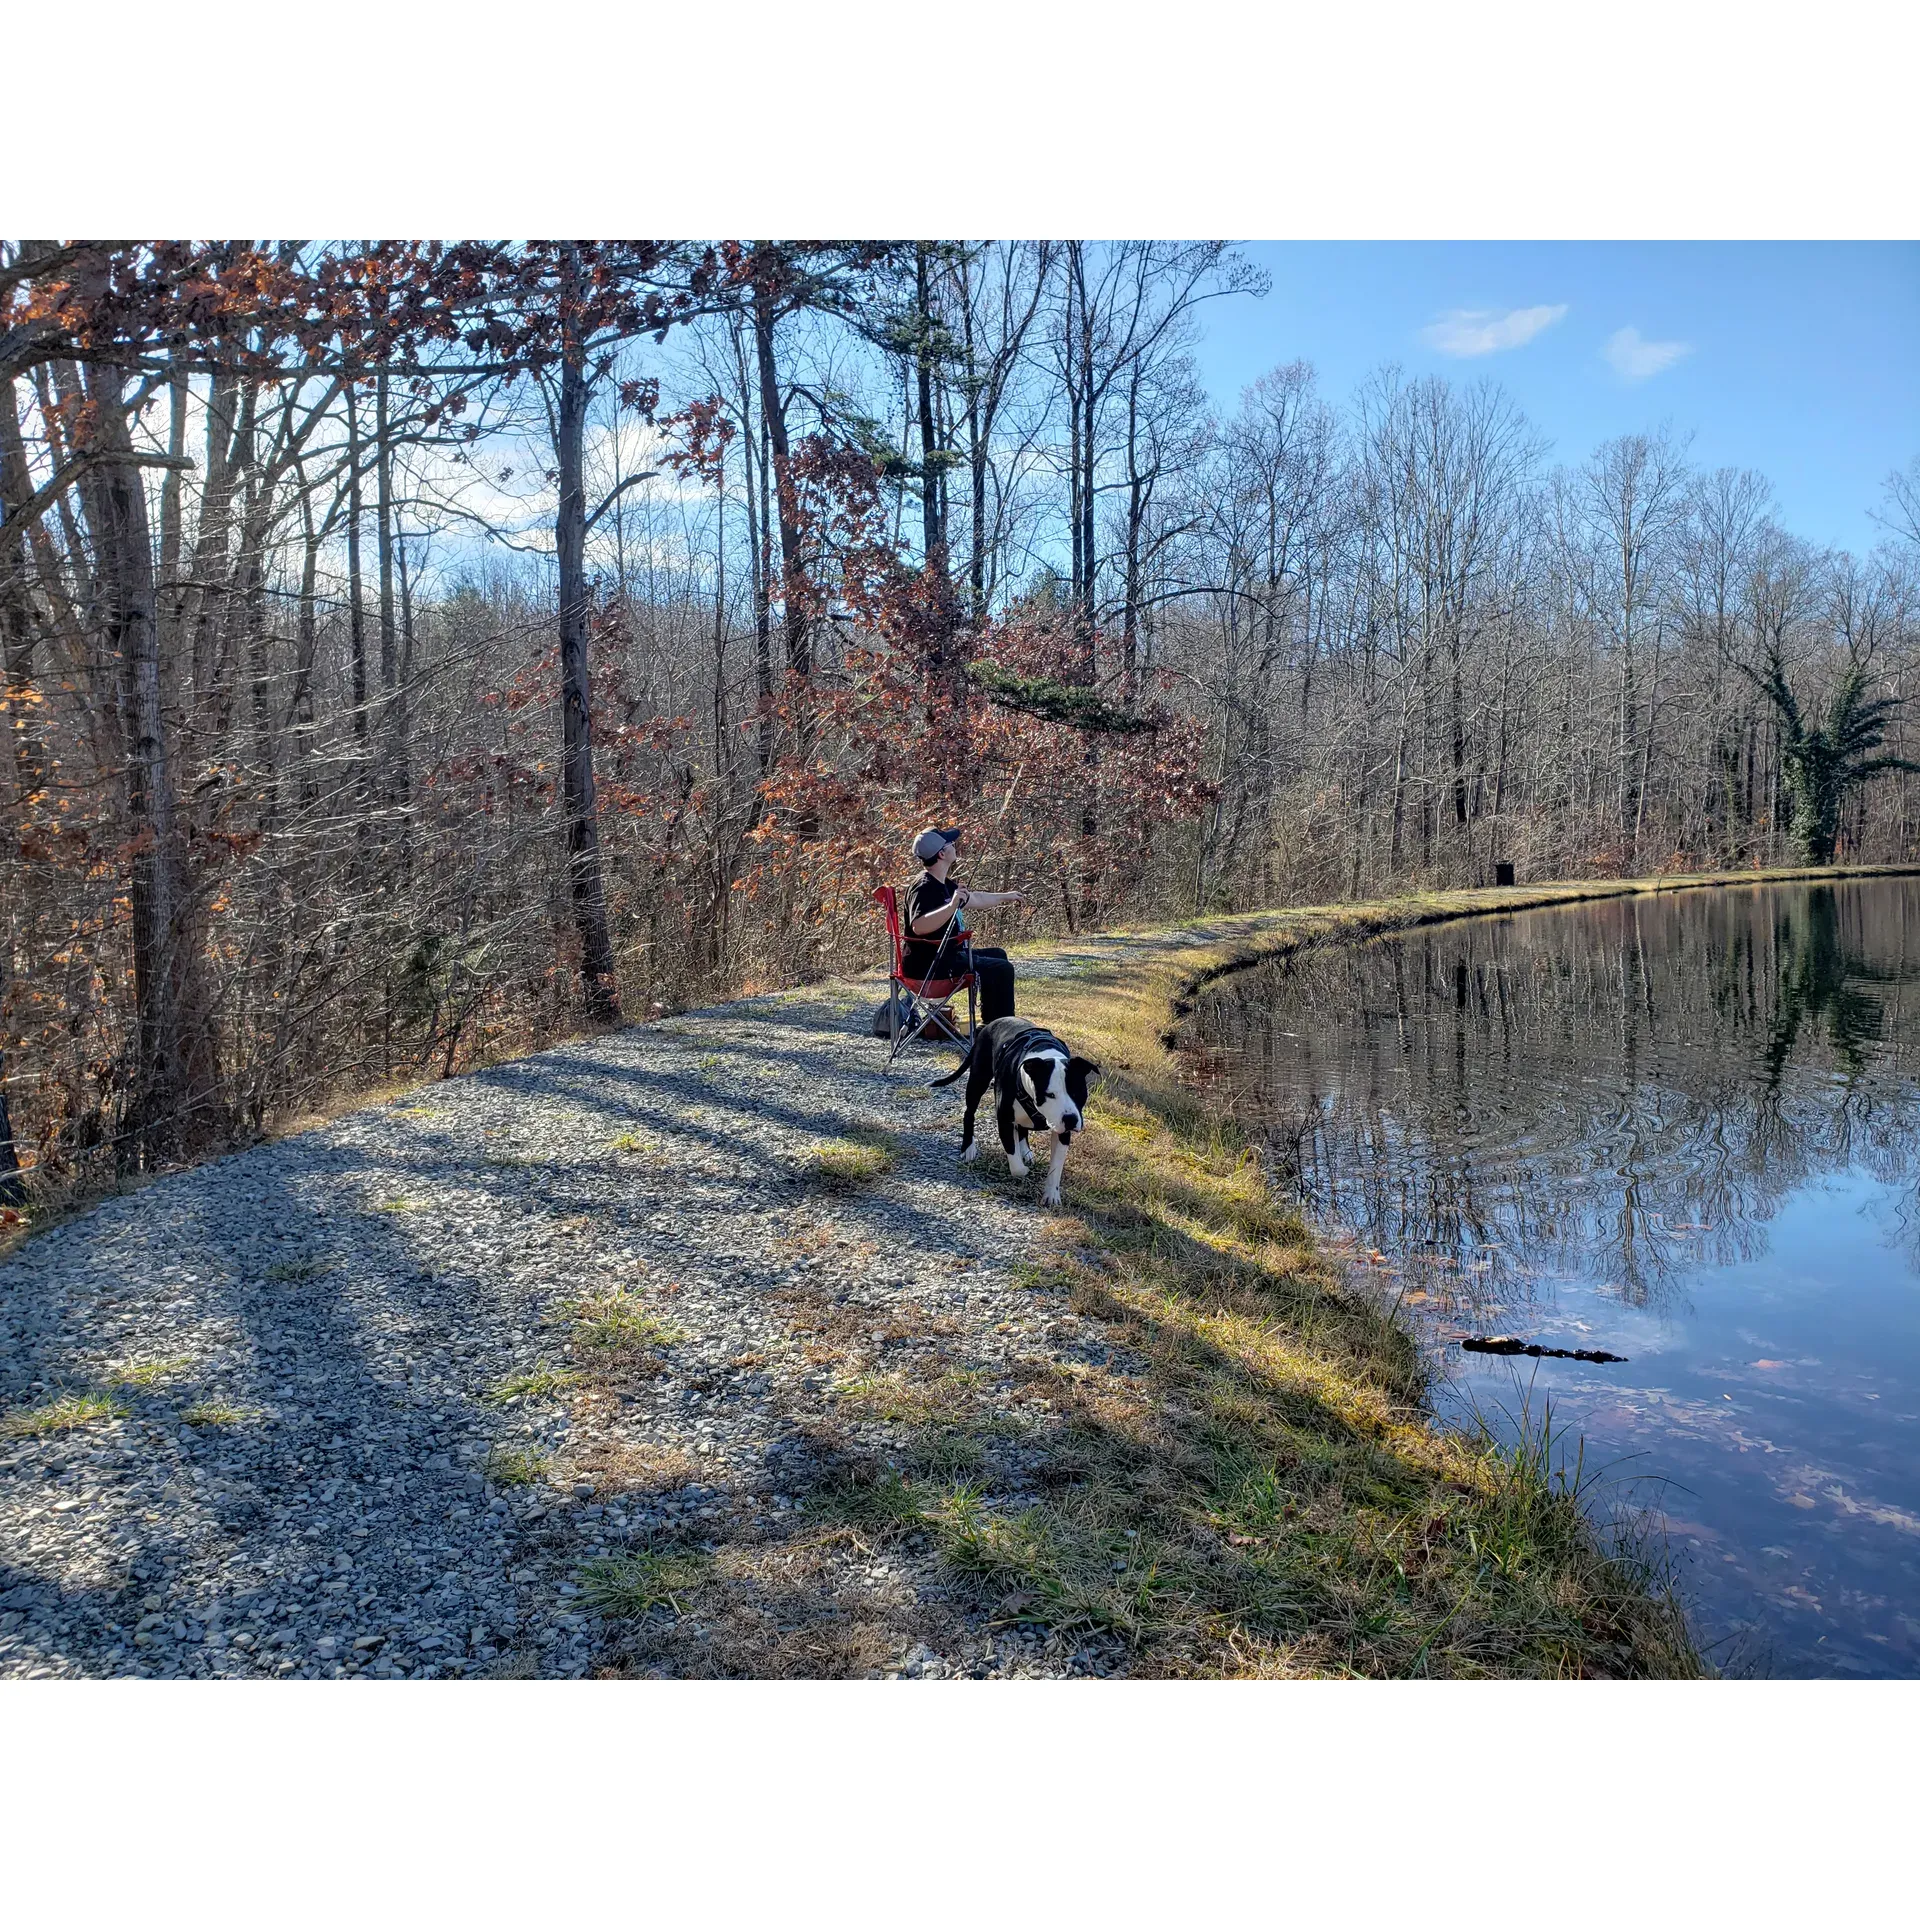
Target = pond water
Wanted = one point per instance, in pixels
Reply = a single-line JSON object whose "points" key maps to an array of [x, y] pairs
{"points": [[1683, 1128]]}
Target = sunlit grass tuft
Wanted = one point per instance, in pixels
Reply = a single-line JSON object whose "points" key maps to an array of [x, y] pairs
{"points": [[515, 1466], [141, 1374], [628, 1586], [61, 1416], [531, 1386], [217, 1413], [615, 1322], [865, 1155]]}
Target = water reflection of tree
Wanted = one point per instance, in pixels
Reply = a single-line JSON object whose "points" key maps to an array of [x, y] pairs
{"points": [[1631, 1087], [1820, 979]]}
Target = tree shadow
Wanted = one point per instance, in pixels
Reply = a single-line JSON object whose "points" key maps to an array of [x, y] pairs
{"points": [[357, 1345]]}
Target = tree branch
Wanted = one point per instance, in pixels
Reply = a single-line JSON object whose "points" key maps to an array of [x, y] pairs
{"points": [[632, 480]]}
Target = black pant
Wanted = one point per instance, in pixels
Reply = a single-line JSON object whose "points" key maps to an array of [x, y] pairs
{"points": [[996, 982]]}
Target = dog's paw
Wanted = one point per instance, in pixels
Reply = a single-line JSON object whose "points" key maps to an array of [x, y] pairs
{"points": [[1017, 1166], [1050, 1196], [970, 1155]]}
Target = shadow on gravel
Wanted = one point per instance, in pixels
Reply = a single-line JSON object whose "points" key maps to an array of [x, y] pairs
{"points": [[639, 1091], [783, 1606], [354, 1348]]}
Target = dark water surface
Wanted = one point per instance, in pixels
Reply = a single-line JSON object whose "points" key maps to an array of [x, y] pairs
{"points": [[1683, 1128]]}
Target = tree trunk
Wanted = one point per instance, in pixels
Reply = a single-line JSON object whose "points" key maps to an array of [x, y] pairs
{"points": [[1645, 779], [179, 398], [1137, 492], [976, 467], [210, 543], [933, 483], [757, 451], [17, 634], [946, 657], [171, 1097], [356, 604], [17, 622], [402, 710], [306, 639], [383, 510], [722, 739], [1457, 744], [786, 499], [1072, 382], [1089, 455], [570, 543]]}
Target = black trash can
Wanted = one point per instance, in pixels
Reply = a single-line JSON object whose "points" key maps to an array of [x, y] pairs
{"points": [[1503, 873]]}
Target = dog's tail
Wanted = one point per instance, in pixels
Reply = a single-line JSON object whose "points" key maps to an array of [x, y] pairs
{"points": [[947, 1080]]}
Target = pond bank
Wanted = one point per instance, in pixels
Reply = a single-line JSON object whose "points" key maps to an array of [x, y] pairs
{"points": [[688, 1349], [1292, 1415], [1683, 1127]]}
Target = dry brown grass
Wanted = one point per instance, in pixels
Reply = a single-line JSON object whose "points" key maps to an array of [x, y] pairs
{"points": [[935, 1397], [623, 1466], [811, 1312]]}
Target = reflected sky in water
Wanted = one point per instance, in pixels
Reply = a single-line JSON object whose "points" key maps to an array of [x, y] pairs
{"points": [[1683, 1128]]}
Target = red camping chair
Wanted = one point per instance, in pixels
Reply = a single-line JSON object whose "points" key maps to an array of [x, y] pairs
{"points": [[924, 1008]]}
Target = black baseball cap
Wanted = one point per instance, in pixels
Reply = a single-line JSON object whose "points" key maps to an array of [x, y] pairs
{"points": [[934, 842]]}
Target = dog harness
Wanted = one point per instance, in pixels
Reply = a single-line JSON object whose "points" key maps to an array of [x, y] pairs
{"points": [[1015, 1059]]}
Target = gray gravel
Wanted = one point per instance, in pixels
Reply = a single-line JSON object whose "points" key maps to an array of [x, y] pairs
{"points": [[351, 1297]]}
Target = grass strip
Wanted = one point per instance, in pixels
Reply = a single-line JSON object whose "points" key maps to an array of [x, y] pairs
{"points": [[1271, 1495]]}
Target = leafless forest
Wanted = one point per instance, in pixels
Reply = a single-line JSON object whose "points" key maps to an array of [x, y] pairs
{"points": [[413, 653]]}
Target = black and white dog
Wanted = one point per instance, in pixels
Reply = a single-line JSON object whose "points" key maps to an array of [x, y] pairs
{"points": [[1040, 1086]]}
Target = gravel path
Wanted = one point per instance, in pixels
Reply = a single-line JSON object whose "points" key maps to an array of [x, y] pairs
{"points": [[360, 1421]]}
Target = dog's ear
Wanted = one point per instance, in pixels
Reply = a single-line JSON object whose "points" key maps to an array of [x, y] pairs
{"points": [[1038, 1072], [1086, 1068]]}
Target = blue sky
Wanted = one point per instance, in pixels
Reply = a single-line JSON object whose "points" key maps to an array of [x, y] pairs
{"points": [[1799, 359]]}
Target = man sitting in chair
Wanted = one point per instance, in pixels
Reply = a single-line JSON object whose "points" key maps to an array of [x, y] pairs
{"points": [[933, 903]]}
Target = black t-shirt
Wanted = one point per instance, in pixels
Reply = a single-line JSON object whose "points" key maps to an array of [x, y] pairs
{"points": [[928, 895]]}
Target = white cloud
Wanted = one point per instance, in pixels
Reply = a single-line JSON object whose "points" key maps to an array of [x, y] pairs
{"points": [[1635, 359], [1468, 334]]}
